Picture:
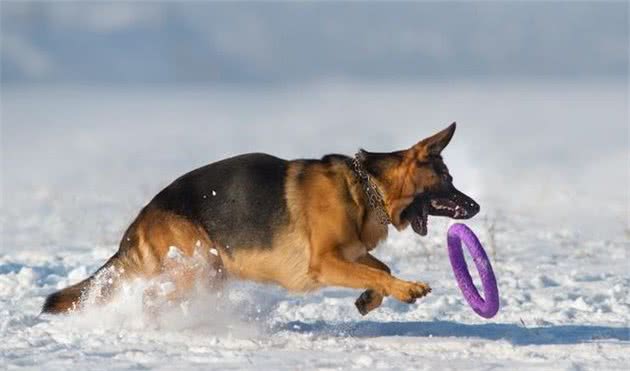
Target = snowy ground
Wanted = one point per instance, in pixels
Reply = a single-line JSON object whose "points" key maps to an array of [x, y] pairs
{"points": [[548, 163]]}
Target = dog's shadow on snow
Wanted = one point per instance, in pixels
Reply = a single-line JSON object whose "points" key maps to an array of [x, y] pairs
{"points": [[515, 334]]}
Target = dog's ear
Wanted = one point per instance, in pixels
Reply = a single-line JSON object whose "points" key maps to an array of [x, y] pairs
{"points": [[434, 144], [378, 163]]}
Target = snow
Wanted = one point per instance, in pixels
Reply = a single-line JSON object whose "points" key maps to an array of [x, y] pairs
{"points": [[546, 161], [173, 252]]}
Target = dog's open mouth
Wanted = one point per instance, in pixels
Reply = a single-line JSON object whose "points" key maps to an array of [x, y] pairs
{"points": [[452, 204]]}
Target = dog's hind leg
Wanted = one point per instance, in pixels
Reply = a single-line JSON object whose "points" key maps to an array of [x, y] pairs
{"points": [[186, 257], [147, 251], [183, 275]]}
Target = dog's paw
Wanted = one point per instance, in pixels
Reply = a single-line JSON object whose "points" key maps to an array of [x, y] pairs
{"points": [[408, 292], [368, 301]]}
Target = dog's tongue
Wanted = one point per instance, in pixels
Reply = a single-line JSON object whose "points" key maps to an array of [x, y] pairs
{"points": [[419, 220]]}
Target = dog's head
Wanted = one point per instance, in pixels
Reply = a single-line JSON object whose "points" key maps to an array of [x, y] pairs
{"points": [[416, 183]]}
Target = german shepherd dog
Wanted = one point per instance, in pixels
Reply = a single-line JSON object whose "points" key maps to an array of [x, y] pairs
{"points": [[302, 224]]}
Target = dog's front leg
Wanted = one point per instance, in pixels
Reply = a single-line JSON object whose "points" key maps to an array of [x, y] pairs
{"points": [[333, 270], [370, 299]]}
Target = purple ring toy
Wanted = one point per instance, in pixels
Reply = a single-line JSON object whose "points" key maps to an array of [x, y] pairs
{"points": [[490, 306]]}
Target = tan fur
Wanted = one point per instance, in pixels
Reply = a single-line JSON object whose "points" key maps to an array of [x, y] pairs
{"points": [[158, 232]]}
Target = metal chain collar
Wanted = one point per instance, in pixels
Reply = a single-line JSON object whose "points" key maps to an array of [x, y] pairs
{"points": [[374, 197]]}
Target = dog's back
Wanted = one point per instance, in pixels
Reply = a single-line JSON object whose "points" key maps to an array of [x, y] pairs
{"points": [[240, 201]]}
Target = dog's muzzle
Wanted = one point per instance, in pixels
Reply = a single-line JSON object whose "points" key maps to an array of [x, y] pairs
{"points": [[450, 203]]}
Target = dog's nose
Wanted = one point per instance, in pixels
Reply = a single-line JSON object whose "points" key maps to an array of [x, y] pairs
{"points": [[474, 208], [469, 206]]}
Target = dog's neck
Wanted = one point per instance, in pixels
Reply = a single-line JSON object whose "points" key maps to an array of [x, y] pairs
{"points": [[370, 189]]}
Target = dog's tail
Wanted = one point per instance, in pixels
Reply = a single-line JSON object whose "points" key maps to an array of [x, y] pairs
{"points": [[98, 286], [67, 299]]}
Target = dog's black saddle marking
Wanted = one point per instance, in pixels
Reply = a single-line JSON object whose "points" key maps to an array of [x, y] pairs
{"points": [[240, 201]]}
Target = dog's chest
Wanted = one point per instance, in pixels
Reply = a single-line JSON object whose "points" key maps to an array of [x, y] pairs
{"points": [[354, 251], [372, 234]]}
